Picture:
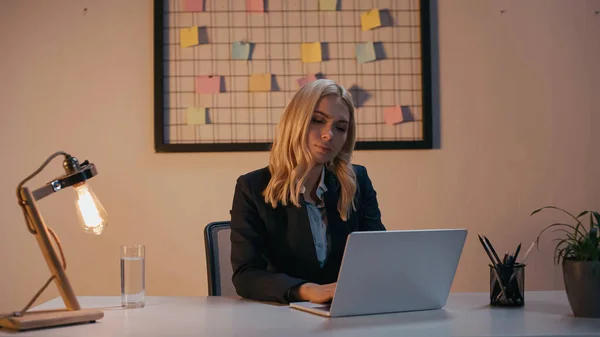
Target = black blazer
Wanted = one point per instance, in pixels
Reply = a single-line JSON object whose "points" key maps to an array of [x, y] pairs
{"points": [[272, 249]]}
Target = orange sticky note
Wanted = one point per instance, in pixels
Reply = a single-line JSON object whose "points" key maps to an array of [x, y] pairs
{"points": [[260, 82], [193, 5], [393, 115], [255, 5], [302, 81], [196, 116], [311, 52], [370, 19], [188, 37], [208, 84]]}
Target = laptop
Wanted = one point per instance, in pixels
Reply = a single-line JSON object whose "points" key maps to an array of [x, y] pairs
{"points": [[393, 271]]}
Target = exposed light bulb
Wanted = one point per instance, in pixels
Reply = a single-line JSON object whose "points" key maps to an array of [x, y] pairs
{"points": [[91, 213]]}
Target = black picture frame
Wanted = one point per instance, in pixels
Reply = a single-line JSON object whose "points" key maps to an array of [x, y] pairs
{"points": [[159, 114]]}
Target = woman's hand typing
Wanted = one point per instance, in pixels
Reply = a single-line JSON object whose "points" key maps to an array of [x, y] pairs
{"points": [[316, 293]]}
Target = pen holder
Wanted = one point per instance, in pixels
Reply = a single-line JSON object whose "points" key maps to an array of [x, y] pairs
{"points": [[507, 285]]}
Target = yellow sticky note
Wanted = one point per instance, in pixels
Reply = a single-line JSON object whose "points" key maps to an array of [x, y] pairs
{"points": [[370, 19], [327, 5], [260, 82], [188, 36], [196, 116], [311, 52]]}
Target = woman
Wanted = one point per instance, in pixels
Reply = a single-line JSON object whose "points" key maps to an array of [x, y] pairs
{"points": [[290, 221]]}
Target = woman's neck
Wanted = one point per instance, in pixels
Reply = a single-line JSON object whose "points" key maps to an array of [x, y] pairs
{"points": [[312, 182]]}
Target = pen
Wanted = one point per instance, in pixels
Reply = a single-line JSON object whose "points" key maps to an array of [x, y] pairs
{"points": [[487, 250], [494, 268], [492, 249], [517, 253]]}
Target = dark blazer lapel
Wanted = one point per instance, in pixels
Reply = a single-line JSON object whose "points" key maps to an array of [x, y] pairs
{"points": [[338, 229], [299, 234]]}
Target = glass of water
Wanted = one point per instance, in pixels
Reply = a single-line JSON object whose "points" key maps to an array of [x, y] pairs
{"points": [[133, 276]]}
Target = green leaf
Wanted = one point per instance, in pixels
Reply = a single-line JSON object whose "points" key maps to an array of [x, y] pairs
{"points": [[560, 209], [538, 210], [568, 246], [579, 244], [570, 253], [560, 242], [567, 233], [559, 254], [593, 234], [579, 226], [576, 230], [597, 216]]}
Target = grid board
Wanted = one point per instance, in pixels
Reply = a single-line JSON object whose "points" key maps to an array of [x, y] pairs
{"points": [[238, 119]]}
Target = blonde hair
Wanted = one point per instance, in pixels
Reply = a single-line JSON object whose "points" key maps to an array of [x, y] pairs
{"points": [[291, 161]]}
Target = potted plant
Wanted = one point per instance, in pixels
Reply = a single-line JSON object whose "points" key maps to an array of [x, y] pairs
{"points": [[579, 251]]}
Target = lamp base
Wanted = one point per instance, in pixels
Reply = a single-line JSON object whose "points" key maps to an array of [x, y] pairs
{"points": [[50, 318]]}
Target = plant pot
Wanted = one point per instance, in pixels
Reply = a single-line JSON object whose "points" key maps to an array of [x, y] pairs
{"points": [[582, 283]]}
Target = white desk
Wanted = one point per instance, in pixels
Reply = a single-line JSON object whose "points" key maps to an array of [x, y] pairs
{"points": [[465, 314]]}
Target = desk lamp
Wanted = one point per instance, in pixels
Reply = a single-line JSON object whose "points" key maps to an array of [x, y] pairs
{"points": [[91, 216]]}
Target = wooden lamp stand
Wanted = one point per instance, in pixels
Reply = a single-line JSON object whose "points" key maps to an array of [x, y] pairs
{"points": [[72, 314]]}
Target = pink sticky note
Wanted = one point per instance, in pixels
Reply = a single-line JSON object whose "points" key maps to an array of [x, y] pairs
{"points": [[302, 81], [393, 115], [193, 5], [208, 84], [255, 5]]}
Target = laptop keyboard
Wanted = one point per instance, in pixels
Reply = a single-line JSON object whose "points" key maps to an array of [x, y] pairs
{"points": [[322, 306]]}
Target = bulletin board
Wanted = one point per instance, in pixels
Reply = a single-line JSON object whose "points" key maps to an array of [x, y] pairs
{"points": [[225, 69]]}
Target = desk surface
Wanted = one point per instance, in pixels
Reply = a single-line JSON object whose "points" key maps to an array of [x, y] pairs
{"points": [[465, 314]]}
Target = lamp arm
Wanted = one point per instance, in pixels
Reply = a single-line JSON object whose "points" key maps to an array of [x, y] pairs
{"points": [[30, 226], [44, 235], [83, 173], [40, 169], [44, 238]]}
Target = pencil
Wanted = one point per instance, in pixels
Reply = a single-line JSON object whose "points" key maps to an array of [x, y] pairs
{"points": [[528, 251]]}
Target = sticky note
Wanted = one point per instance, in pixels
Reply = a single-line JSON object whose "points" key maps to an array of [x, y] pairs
{"points": [[393, 115], [188, 36], [302, 81], [196, 116], [193, 5], [370, 19], [311, 52], [359, 95], [240, 50], [327, 5], [260, 82], [365, 52], [255, 5], [208, 84]]}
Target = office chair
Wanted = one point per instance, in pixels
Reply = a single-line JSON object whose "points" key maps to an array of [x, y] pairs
{"points": [[218, 263]]}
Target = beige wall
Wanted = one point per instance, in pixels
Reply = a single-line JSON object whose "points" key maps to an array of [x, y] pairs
{"points": [[518, 105]]}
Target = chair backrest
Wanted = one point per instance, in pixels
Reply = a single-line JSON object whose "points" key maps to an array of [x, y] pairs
{"points": [[218, 263]]}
